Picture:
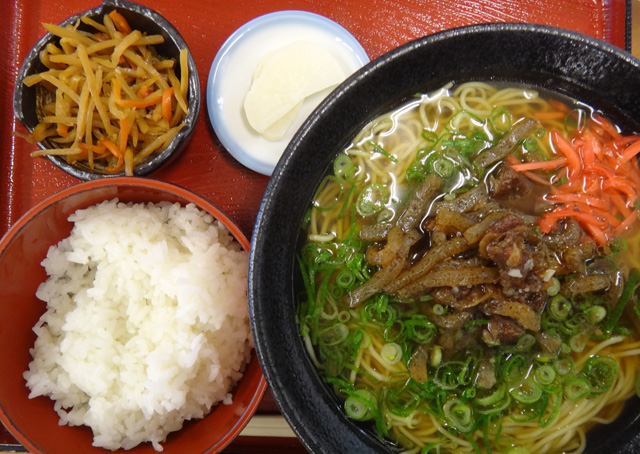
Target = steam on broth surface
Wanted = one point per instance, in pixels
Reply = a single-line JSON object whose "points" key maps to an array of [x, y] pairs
{"points": [[470, 273]]}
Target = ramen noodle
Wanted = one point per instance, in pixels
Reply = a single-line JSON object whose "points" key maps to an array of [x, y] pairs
{"points": [[470, 272]]}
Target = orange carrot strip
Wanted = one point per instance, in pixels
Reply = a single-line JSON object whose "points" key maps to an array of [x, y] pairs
{"points": [[125, 128], [166, 104], [140, 103], [95, 148], [118, 165], [120, 22], [62, 130], [144, 91], [112, 147]]}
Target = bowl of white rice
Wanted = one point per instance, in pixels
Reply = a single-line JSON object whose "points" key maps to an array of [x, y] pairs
{"points": [[124, 322]]}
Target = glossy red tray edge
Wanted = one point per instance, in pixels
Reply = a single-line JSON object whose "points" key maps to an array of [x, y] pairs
{"points": [[611, 22]]}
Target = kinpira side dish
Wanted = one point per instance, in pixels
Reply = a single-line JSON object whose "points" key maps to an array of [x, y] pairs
{"points": [[107, 99]]}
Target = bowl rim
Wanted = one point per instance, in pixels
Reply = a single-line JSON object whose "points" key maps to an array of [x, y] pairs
{"points": [[316, 418], [194, 102], [189, 196]]}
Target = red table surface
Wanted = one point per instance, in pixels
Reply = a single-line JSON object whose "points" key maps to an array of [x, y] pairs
{"points": [[206, 167]]}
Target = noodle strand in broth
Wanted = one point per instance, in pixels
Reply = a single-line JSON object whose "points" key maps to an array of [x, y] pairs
{"points": [[501, 304]]}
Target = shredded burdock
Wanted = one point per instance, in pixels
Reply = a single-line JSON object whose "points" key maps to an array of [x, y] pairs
{"points": [[107, 100]]}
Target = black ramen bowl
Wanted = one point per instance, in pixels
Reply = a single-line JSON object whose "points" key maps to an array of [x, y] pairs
{"points": [[568, 63], [140, 18]]}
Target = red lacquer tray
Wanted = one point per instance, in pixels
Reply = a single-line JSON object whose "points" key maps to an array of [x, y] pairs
{"points": [[206, 167]]}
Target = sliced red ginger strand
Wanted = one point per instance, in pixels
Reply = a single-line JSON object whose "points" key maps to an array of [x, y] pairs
{"points": [[631, 150], [574, 163], [602, 177]]}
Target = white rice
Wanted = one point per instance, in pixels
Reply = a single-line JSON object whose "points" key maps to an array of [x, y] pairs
{"points": [[147, 321]]}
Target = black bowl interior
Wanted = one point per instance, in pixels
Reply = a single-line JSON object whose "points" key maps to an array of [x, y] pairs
{"points": [[555, 59], [140, 18]]}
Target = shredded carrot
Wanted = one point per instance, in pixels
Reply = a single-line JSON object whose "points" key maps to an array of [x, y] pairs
{"points": [[112, 147], [94, 148], [125, 128], [166, 104], [140, 103], [144, 91], [63, 130], [120, 22]]}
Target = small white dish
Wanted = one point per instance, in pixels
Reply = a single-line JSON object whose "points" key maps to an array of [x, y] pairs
{"points": [[232, 72]]}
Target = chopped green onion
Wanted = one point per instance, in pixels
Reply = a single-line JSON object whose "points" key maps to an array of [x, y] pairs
{"points": [[491, 399], [439, 309], [429, 136], [360, 405], [344, 316], [554, 288], [564, 365], [420, 329], [559, 308], [402, 402], [458, 415], [335, 334], [596, 314], [435, 356], [372, 200], [345, 279], [526, 341], [601, 371], [627, 293], [576, 388], [550, 413], [343, 168], [446, 376], [463, 121], [391, 353], [380, 312], [527, 391], [443, 167], [545, 375], [578, 342], [575, 120], [382, 151], [500, 120]]}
